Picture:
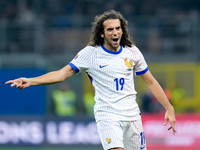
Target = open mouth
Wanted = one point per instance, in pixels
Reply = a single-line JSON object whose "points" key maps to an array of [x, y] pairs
{"points": [[115, 39]]}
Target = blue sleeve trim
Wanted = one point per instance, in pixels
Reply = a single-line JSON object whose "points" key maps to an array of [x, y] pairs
{"points": [[74, 67], [142, 72]]}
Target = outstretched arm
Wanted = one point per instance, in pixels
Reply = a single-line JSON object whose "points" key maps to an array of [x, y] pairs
{"points": [[49, 78], [158, 92]]}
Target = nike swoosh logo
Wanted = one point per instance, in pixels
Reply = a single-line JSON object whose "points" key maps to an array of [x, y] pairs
{"points": [[102, 66], [142, 147]]}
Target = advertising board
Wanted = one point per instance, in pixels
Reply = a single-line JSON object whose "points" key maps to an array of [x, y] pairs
{"points": [[53, 131]]}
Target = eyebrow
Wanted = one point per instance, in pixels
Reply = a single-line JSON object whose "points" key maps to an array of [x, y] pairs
{"points": [[110, 28]]}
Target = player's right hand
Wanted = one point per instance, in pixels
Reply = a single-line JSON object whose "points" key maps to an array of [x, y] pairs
{"points": [[20, 83]]}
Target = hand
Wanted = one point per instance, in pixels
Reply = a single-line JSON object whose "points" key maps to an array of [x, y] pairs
{"points": [[20, 83], [170, 116]]}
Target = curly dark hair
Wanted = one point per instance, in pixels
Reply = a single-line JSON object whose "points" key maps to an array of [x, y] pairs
{"points": [[98, 29]]}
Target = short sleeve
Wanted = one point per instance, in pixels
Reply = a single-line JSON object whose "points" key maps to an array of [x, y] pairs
{"points": [[140, 65], [81, 61]]}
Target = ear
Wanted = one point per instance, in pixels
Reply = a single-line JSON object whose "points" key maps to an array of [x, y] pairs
{"points": [[102, 35]]}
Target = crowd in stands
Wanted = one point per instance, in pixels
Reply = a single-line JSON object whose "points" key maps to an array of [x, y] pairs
{"points": [[13, 9], [20, 15]]}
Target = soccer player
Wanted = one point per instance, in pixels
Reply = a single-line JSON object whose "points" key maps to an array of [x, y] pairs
{"points": [[110, 59]]}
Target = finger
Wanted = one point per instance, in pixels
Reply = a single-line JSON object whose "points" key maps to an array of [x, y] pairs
{"points": [[166, 121], [13, 85], [10, 81], [174, 131], [20, 88], [19, 85], [16, 83], [173, 128], [169, 128]]}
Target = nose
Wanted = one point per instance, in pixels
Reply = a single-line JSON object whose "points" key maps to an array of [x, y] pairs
{"points": [[114, 32]]}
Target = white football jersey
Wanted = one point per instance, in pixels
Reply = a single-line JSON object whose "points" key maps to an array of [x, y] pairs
{"points": [[111, 74]]}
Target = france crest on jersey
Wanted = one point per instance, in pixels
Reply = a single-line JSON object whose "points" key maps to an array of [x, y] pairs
{"points": [[111, 74]]}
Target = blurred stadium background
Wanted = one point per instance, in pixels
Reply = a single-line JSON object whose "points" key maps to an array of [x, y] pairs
{"points": [[38, 36]]}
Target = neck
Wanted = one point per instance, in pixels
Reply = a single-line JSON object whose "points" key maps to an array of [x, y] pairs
{"points": [[113, 49]]}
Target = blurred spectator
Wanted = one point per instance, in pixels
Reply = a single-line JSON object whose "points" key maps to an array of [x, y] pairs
{"points": [[157, 107], [89, 103], [27, 21], [178, 94], [26, 15], [11, 11], [146, 102], [154, 43], [64, 100], [150, 104]]}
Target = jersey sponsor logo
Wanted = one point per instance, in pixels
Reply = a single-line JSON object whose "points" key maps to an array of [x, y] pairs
{"points": [[108, 140], [102, 66]]}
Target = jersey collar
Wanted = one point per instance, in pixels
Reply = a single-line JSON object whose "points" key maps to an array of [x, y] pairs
{"points": [[111, 52]]}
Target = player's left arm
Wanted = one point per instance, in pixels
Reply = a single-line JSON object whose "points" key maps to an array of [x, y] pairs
{"points": [[158, 92]]}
